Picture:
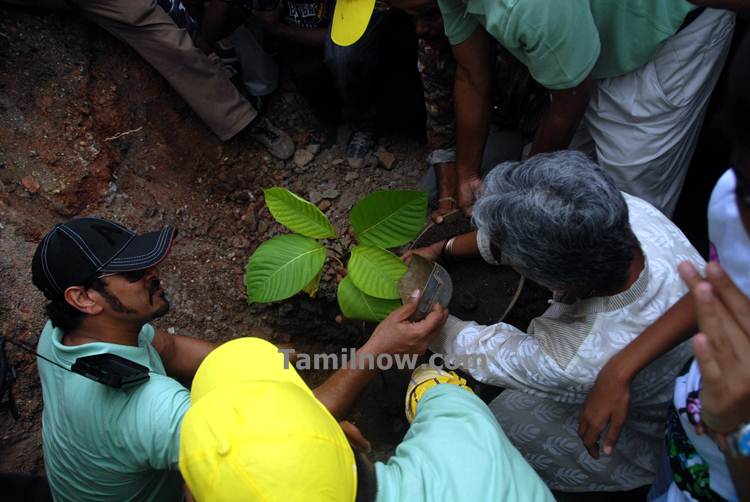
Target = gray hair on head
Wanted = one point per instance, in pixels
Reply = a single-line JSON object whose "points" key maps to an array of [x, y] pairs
{"points": [[560, 220]]}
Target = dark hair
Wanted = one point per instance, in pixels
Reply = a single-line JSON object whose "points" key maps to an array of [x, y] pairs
{"points": [[64, 315]]}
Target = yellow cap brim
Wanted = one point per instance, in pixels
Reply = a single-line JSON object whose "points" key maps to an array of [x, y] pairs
{"points": [[350, 20]]}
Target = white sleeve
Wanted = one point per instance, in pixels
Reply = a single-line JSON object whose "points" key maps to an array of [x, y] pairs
{"points": [[499, 355]]}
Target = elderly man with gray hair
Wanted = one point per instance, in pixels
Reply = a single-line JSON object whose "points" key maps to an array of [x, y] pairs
{"points": [[610, 260]]}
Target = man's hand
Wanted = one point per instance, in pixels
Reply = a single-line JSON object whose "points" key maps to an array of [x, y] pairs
{"points": [[394, 335], [471, 96], [606, 404], [722, 348], [431, 252], [397, 335], [467, 192]]}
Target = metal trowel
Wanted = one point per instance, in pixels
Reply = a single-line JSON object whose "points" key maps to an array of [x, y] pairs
{"points": [[431, 279]]}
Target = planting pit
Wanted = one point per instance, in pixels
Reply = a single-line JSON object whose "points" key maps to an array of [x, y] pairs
{"points": [[87, 127]]}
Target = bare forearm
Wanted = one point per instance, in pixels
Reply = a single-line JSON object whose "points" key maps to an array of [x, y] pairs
{"points": [[339, 393], [464, 246], [472, 100], [674, 327], [188, 353], [447, 179], [561, 120], [471, 96]]}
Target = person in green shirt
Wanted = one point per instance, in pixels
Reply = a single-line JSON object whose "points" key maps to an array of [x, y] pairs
{"points": [[629, 80], [119, 444], [255, 431], [103, 287]]}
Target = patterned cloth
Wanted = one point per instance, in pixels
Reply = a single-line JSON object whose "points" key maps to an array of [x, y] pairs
{"points": [[518, 101], [698, 469], [549, 370]]}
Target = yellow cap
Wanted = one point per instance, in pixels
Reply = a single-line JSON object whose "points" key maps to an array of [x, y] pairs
{"points": [[255, 431], [350, 20]]}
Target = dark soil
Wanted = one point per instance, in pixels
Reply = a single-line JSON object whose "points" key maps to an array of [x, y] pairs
{"points": [[67, 89]]}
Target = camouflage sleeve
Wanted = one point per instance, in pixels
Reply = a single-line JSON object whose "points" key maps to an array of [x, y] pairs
{"points": [[518, 100], [437, 69]]}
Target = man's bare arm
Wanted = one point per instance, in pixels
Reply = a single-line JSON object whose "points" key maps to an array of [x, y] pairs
{"points": [[561, 119], [181, 355], [471, 94], [394, 335]]}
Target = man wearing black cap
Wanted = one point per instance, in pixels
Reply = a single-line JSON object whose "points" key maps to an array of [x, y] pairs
{"points": [[101, 442]]}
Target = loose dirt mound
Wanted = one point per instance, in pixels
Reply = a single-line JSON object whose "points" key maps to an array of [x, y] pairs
{"points": [[87, 127]]}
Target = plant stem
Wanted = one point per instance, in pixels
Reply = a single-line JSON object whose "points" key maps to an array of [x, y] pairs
{"points": [[339, 261]]}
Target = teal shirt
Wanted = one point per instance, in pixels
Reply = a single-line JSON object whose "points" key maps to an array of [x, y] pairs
{"points": [[102, 443], [455, 450], [563, 41]]}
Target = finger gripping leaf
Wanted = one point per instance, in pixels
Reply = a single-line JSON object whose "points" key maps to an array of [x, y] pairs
{"points": [[297, 214], [282, 266]]}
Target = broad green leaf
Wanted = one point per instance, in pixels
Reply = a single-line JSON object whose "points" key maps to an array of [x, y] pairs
{"points": [[312, 288], [355, 304], [297, 214], [282, 266], [376, 271], [389, 218]]}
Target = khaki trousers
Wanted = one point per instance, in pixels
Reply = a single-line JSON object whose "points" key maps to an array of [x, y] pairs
{"points": [[144, 26]]}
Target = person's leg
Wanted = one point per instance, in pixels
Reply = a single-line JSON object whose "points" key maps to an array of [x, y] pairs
{"points": [[143, 25], [353, 70], [645, 123], [260, 73], [314, 82]]}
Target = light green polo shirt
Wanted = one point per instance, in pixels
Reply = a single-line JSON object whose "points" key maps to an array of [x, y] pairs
{"points": [[562, 41], [455, 450], [106, 444]]}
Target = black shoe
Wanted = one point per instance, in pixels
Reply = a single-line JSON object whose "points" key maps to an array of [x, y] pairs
{"points": [[277, 142], [360, 145]]}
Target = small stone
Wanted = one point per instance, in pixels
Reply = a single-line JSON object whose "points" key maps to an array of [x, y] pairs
{"points": [[171, 330], [337, 162], [351, 176], [385, 158], [315, 196], [330, 193], [33, 153], [303, 156], [262, 227], [30, 184], [280, 175], [313, 148], [324, 204]]}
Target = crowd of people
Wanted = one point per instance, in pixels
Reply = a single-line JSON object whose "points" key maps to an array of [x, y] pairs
{"points": [[565, 129]]}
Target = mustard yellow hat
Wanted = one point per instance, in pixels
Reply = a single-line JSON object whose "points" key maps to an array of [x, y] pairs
{"points": [[350, 20], [255, 431]]}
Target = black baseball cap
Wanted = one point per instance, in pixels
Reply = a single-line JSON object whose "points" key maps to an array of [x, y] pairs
{"points": [[75, 252]]}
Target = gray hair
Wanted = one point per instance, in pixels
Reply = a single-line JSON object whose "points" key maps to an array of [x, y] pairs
{"points": [[560, 220]]}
